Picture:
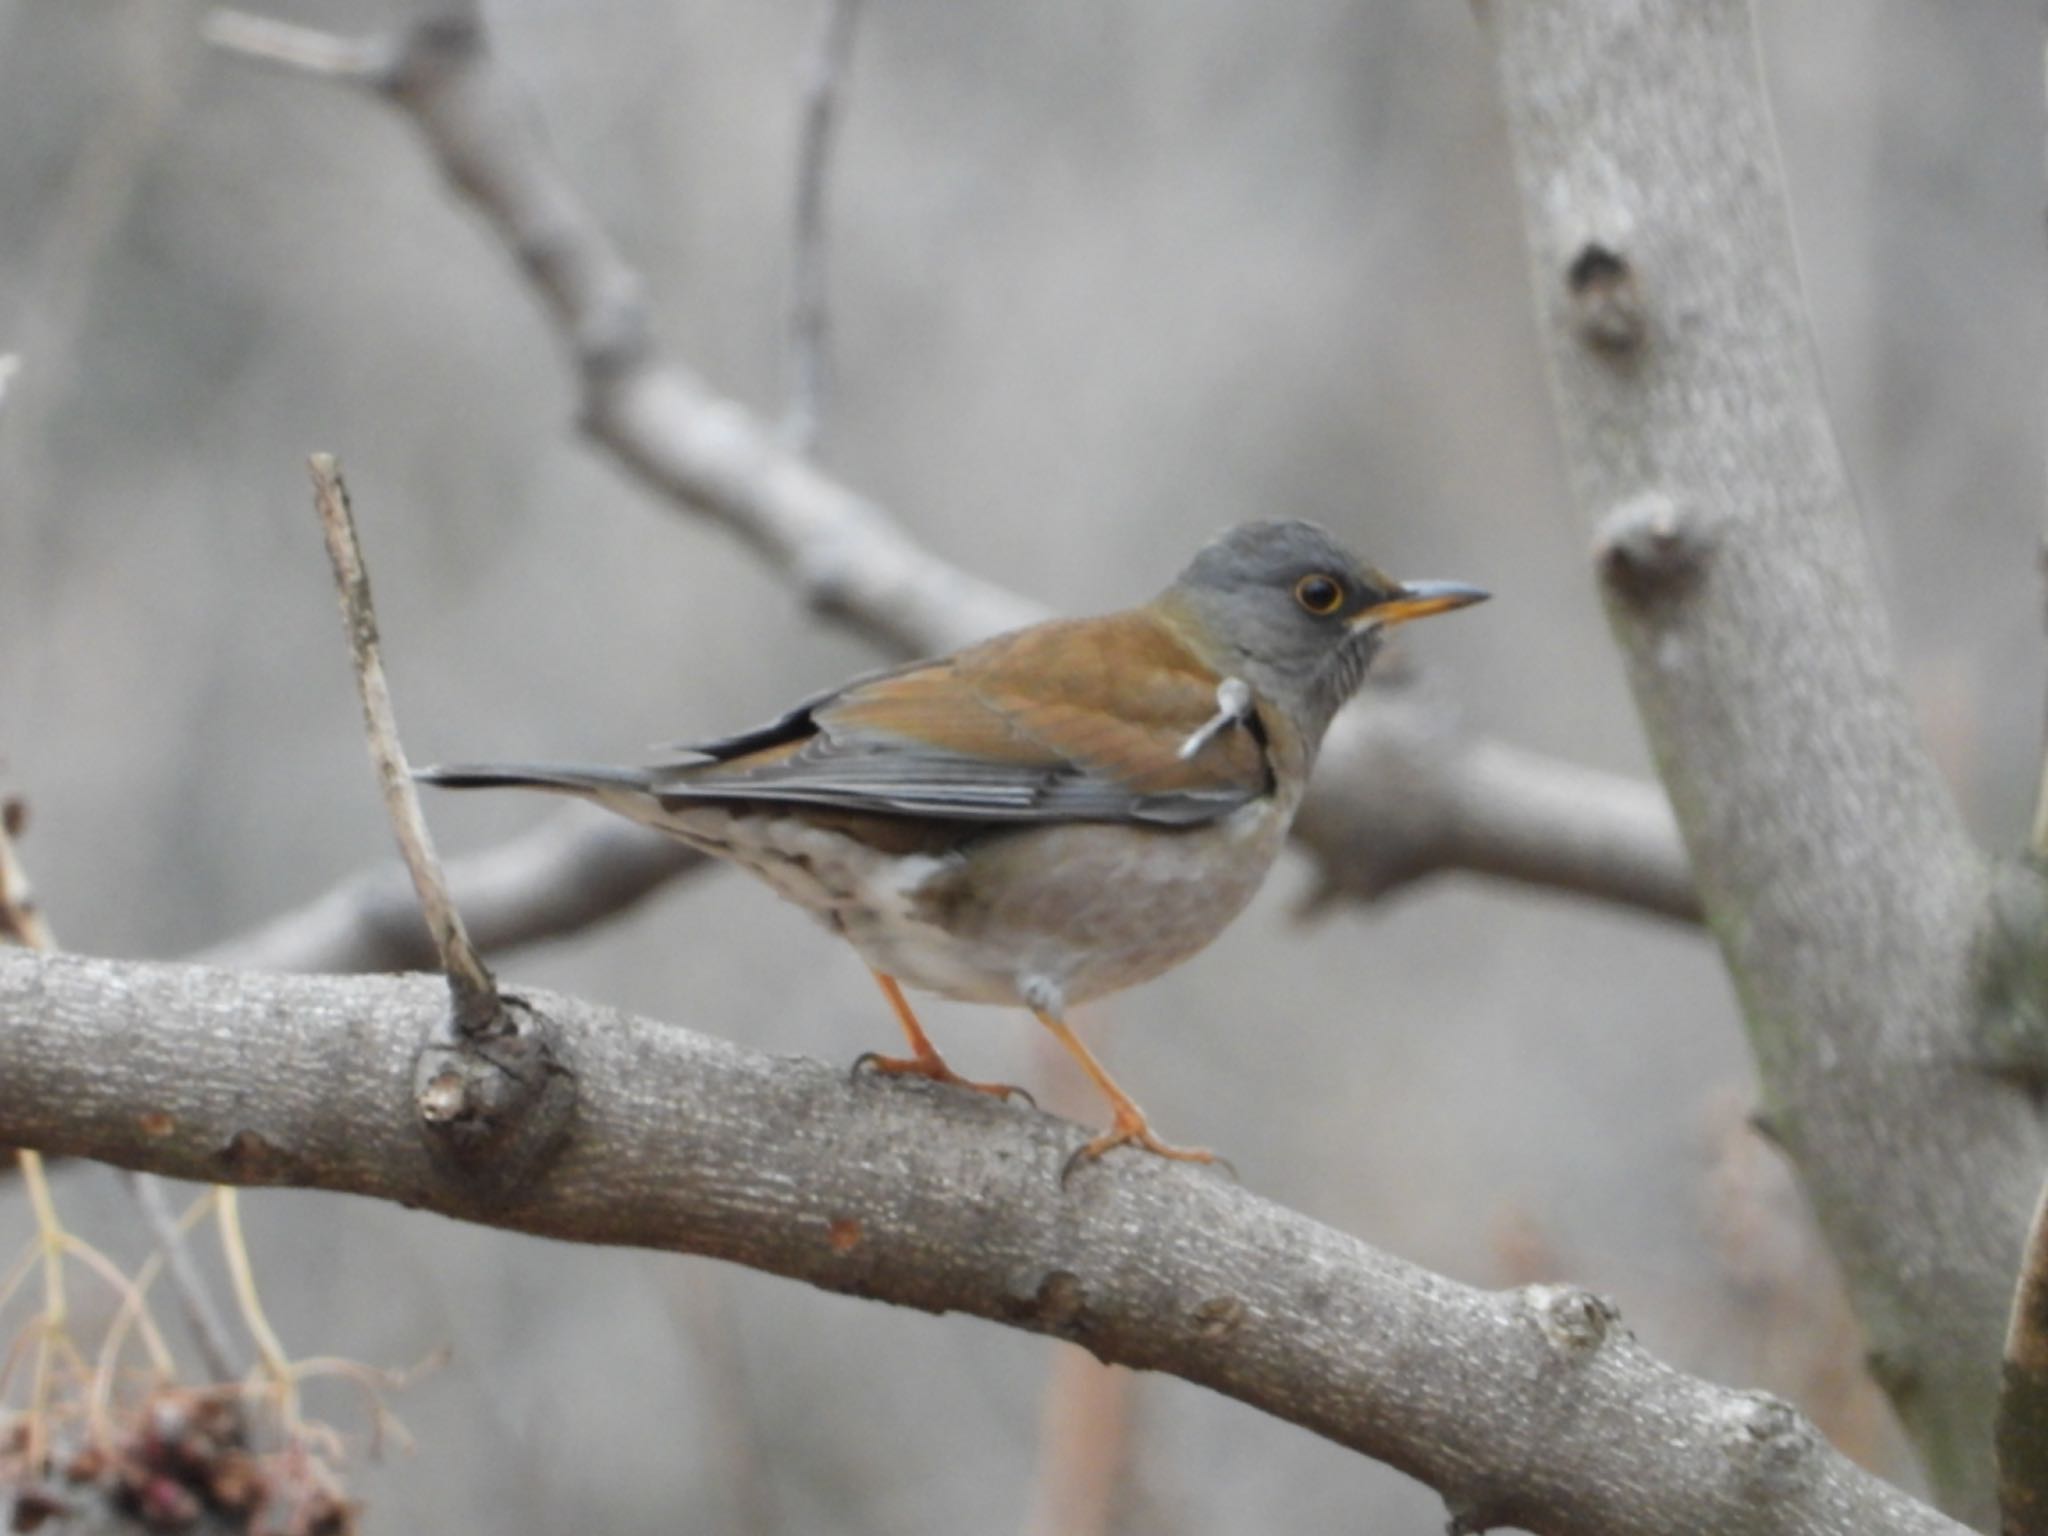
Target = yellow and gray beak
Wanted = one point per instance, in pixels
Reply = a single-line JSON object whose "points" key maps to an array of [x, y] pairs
{"points": [[1418, 600]]}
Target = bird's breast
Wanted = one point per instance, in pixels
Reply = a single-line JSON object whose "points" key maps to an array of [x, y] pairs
{"points": [[1082, 908], [1091, 908]]}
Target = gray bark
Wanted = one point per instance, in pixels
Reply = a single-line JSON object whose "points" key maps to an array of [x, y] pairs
{"points": [[1848, 902], [1532, 1407]]}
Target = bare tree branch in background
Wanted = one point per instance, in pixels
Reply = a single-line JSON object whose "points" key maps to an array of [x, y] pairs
{"points": [[156, 54], [570, 871], [810, 331], [1851, 907], [203, 1317], [709, 454], [700, 1299], [1084, 1448], [21, 913], [1406, 792], [1531, 1407], [704, 452]]}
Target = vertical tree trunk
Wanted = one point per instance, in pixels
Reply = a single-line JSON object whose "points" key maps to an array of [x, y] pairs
{"points": [[1850, 906]]}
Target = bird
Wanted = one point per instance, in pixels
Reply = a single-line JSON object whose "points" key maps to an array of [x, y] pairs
{"points": [[1050, 815]]}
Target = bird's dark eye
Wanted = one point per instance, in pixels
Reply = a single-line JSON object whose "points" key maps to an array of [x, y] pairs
{"points": [[1320, 595]]}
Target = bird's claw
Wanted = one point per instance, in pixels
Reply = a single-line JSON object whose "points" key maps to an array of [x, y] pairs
{"points": [[1132, 1130], [934, 1069]]}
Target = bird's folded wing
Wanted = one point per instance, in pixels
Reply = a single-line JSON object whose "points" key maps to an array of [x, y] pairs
{"points": [[1075, 720]]}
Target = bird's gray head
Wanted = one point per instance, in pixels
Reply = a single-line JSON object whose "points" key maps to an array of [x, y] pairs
{"points": [[1291, 611]]}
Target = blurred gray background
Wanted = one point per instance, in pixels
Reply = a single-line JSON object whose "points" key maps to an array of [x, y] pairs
{"points": [[1106, 277]]}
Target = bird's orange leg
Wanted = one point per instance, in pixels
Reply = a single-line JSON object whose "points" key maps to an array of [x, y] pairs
{"points": [[1130, 1124], [924, 1059]]}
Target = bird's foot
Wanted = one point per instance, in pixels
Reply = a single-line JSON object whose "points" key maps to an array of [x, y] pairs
{"points": [[1132, 1129], [934, 1067]]}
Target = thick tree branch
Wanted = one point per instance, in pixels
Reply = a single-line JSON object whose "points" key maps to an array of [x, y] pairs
{"points": [[1530, 1407], [1831, 861]]}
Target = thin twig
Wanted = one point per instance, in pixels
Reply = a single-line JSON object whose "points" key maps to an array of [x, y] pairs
{"points": [[2023, 1399], [133, 1315], [2037, 841], [368, 60], [810, 361], [234, 1250], [1084, 1439], [22, 920], [202, 1317], [475, 993], [50, 1325]]}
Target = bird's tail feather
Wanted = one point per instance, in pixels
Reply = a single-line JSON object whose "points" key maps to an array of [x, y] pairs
{"points": [[562, 778]]}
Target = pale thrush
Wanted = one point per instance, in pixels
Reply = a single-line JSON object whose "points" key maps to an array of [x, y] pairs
{"points": [[1052, 814]]}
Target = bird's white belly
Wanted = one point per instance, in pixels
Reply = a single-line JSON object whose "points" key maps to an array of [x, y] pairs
{"points": [[1038, 917]]}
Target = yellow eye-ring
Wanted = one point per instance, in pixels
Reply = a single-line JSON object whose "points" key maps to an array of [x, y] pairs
{"points": [[1320, 595]]}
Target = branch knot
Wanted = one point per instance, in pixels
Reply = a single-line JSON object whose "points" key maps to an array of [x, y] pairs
{"points": [[1607, 302], [1769, 1439], [1575, 1323], [495, 1108], [1053, 1302], [1651, 545]]}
